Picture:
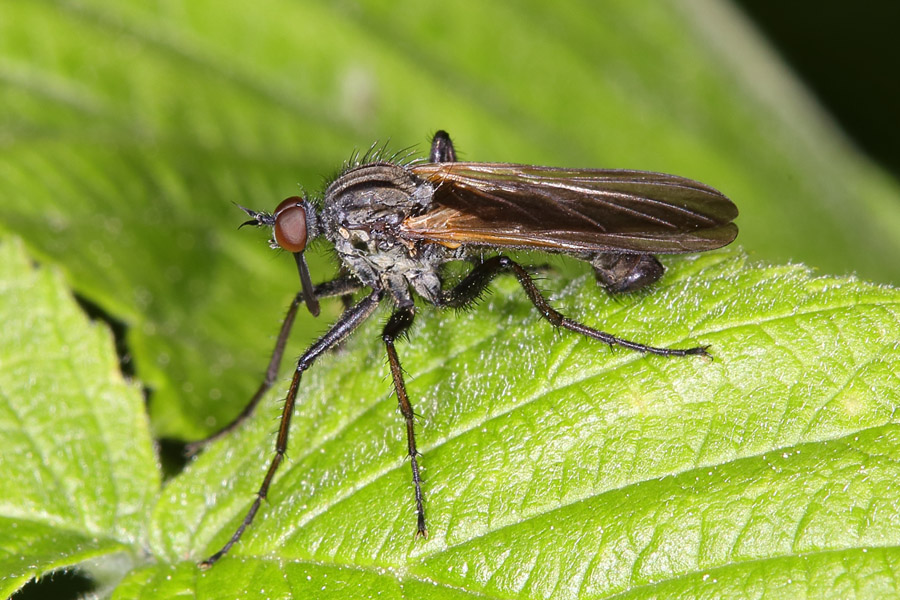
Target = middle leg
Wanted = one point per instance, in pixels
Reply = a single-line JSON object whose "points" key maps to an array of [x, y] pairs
{"points": [[399, 322]]}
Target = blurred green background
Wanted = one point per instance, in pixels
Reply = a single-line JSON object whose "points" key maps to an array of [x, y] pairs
{"points": [[130, 129]]}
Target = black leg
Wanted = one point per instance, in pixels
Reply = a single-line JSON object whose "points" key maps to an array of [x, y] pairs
{"points": [[343, 327], [471, 287], [342, 287], [442, 148], [399, 322]]}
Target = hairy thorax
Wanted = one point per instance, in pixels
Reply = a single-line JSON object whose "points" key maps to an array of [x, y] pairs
{"points": [[362, 213]]}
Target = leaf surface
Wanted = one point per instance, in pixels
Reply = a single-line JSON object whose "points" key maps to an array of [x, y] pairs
{"points": [[555, 467], [78, 474]]}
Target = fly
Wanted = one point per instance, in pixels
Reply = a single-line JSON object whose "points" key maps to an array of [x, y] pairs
{"points": [[394, 226]]}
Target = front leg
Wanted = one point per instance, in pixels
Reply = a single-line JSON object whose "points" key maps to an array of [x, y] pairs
{"points": [[344, 326], [399, 322], [343, 287]]}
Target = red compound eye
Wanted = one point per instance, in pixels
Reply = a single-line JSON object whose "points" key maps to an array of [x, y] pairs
{"points": [[290, 225]]}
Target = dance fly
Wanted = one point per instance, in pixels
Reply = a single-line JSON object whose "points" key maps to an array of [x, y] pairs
{"points": [[395, 225]]}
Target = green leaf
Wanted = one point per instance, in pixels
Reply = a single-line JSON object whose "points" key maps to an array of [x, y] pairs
{"points": [[77, 471], [554, 466], [580, 469]]}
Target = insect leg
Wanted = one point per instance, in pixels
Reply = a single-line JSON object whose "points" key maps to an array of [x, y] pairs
{"points": [[344, 326], [342, 286], [442, 148], [399, 322], [474, 283]]}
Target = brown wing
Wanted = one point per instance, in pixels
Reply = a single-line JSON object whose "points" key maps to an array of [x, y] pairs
{"points": [[522, 206]]}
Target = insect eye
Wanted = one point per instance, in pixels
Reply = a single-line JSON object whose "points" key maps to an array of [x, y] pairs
{"points": [[290, 225]]}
